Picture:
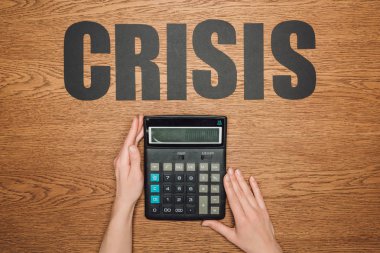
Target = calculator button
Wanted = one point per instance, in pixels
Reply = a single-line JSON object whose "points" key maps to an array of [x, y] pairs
{"points": [[190, 200], [214, 200], [203, 177], [179, 178], [167, 209], [179, 167], [215, 177], [167, 199], [154, 177], [168, 177], [154, 166], [190, 209], [178, 199], [203, 205], [190, 189], [168, 167], [180, 157], [190, 178], [203, 167], [179, 188], [215, 167], [178, 209], [168, 188], [155, 199], [155, 209], [215, 210], [206, 157], [203, 188], [190, 166], [155, 188], [214, 188]]}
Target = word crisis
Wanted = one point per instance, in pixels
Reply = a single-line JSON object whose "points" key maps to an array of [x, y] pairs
{"points": [[127, 59]]}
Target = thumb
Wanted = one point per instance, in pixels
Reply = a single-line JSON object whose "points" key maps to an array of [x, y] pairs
{"points": [[220, 228], [134, 157]]}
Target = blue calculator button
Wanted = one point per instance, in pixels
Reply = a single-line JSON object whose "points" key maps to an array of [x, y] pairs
{"points": [[154, 177], [155, 188], [155, 199]]}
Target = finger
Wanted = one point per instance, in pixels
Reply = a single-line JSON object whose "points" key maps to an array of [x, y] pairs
{"points": [[140, 118], [134, 156], [247, 208], [124, 153], [222, 229], [132, 132], [232, 198], [140, 135], [246, 189], [257, 192]]}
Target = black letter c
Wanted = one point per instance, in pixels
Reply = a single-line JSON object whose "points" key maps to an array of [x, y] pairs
{"points": [[73, 61]]}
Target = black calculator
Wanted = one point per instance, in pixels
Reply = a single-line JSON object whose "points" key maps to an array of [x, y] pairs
{"points": [[184, 166]]}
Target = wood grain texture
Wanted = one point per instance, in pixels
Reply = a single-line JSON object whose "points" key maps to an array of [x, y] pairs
{"points": [[317, 159]]}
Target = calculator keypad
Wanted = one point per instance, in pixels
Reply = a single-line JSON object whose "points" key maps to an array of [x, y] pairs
{"points": [[185, 188]]}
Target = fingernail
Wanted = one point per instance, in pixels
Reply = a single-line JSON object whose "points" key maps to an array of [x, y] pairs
{"points": [[230, 171], [238, 172], [132, 148], [228, 177]]}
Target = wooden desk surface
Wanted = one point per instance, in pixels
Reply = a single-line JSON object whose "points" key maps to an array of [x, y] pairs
{"points": [[317, 159]]}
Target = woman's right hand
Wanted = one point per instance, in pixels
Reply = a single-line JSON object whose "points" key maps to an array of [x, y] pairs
{"points": [[253, 231]]}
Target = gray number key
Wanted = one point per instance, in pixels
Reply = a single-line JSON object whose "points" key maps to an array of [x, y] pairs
{"points": [[215, 167], [168, 167], [203, 177], [179, 167], [203, 188], [214, 188], [154, 166], [190, 166], [214, 210], [215, 199], [203, 204], [203, 167], [215, 177]]}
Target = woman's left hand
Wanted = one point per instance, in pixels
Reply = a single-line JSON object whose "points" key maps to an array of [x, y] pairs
{"points": [[129, 176]]}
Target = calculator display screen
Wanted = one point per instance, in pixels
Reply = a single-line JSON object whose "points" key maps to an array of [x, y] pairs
{"points": [[185, 135]]}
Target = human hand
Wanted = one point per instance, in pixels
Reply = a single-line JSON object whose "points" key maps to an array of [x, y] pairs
{"points": [[129, 186], [253, 231], [129, 177]]}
